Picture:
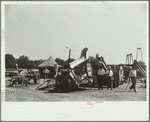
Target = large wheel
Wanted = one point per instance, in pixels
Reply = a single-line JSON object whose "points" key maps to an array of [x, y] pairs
{"points": [[64, 86], [117, 83], [114, 84], [68, 85], [57, 87], [26, 82], [12, 83], [49, 83], [74, 86]]}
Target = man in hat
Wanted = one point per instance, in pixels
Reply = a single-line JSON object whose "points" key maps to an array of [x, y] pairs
{"points": [[101, 73], [133, 75]]}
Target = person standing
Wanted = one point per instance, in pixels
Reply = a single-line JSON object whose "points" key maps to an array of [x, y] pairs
{"points": [[133, 75], [23, 74], [46, 72], [121, 74], [101, 73], [95, 74], [110, 77]]}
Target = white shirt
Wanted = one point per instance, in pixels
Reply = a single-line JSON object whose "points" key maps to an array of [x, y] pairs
{"points": [[22, 73], [133, 73], [46, 71], [110, 73]]}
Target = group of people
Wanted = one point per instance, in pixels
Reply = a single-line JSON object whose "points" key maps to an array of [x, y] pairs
{"points": [[22, 74], [101, 76], [107, 76]]}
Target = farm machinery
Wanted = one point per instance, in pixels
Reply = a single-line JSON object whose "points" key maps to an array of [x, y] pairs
{"points": [[79, 73], [18, 80], [67, 79], [32, 74]]}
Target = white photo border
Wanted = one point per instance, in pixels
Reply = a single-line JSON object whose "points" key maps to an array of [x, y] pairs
{"points": [[77, 111]]}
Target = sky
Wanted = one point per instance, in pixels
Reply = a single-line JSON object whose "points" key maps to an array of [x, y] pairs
{"points": [[43, 30]]}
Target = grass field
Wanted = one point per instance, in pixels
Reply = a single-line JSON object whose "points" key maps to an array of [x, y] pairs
{"points": [[23, 94]]}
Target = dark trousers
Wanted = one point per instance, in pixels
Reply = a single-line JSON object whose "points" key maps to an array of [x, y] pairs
{"points": [[45, 76], [108, 82], [100, 81], [23, 79], [133, 80]]}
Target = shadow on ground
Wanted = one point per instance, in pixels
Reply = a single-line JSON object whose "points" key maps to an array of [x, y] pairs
{"points": [[52, 90], [121, 91]]}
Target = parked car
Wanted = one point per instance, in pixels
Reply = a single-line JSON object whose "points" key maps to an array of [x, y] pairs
{"points": [[11, 72]]}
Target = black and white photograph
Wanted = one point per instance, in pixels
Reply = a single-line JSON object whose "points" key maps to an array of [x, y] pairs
{"points": [[91, 55]]}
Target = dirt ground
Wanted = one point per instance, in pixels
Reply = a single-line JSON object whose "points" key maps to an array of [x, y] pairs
{"points": [[23, 94]]}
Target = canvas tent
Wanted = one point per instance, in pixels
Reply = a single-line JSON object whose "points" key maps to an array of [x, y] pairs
{"points": [[49, 64]]}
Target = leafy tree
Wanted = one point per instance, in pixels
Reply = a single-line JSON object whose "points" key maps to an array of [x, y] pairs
{"points": [[10, 61], [37, 62], [30, 64], [23, 61]]}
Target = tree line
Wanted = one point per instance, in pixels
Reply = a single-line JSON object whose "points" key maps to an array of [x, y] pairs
{"points": [[24, 62]]}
